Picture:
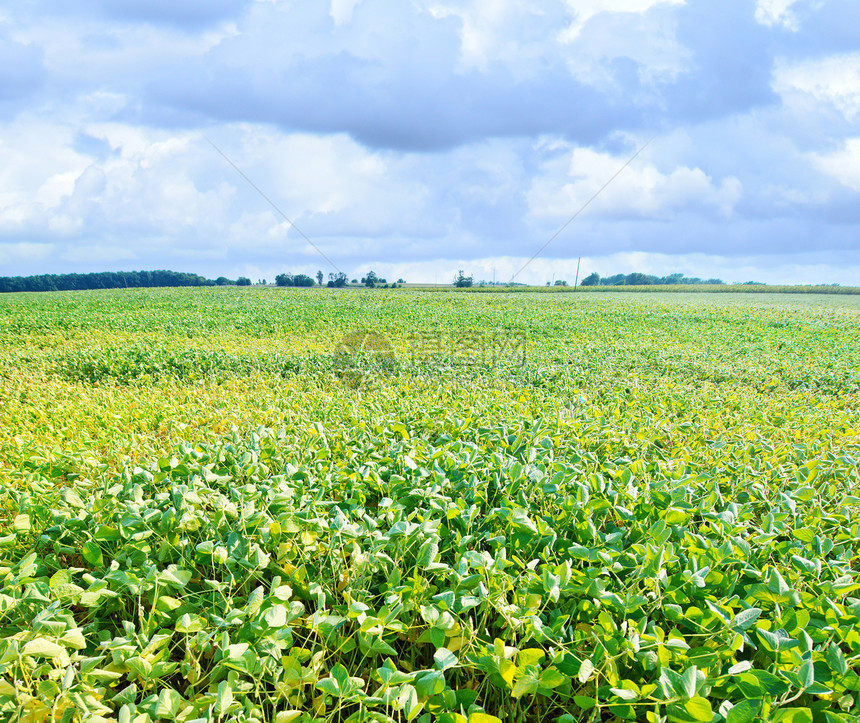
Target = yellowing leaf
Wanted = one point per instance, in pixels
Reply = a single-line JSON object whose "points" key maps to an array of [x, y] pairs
{"points": [[530, 656], [507, 670], [699, 708], [42, 648], [21, 524], [483, 718]]}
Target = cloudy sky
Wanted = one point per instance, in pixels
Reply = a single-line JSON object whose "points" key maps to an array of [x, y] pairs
{"points": [[417, 137]]}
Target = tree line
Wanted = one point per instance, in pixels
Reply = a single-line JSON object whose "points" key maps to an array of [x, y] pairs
{"points": [[148, 279], [294, 280], [105, 280], [640, 279]]}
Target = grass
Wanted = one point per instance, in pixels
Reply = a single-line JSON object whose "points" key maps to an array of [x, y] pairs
{"points": [[518, 507]]}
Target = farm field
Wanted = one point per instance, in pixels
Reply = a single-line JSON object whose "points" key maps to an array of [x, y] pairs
{"points": [[227, 504]]}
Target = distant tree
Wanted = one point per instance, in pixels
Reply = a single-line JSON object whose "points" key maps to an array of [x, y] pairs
{"points": [[371, 280], [638, 279], [243, 281], [461, 281], [319, 277], [102, 280], [400, 281], [302, 280], [337, 281], [593, 279], [354, 281], [284, 280], [223, 281], [560, 282], [616, 280]]}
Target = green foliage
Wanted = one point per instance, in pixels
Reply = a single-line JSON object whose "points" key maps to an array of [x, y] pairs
{"points": [[293, 280], [104, 280], [461, 281], [593, 279], [654, 517], [640, 279], [337, 281]]}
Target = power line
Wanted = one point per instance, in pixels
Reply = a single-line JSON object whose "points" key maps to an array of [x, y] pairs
{"points": [[584, 206], [273, 205]]}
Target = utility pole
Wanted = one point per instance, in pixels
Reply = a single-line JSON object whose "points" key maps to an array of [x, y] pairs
{"points": [[576, 280]]}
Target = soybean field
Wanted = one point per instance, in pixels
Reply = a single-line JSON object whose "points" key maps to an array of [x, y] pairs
{"points": [[262, 505]]}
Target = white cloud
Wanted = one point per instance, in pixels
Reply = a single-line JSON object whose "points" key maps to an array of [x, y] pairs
{"points": [[507, 31], [38, 168], [649, 41], [583, 10], [524, 37], [843, 165], [834, 80], [111, 57], [50, 187], [328, 184], [574, 175], [777, 12], [160, 193], [341, 11]]}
